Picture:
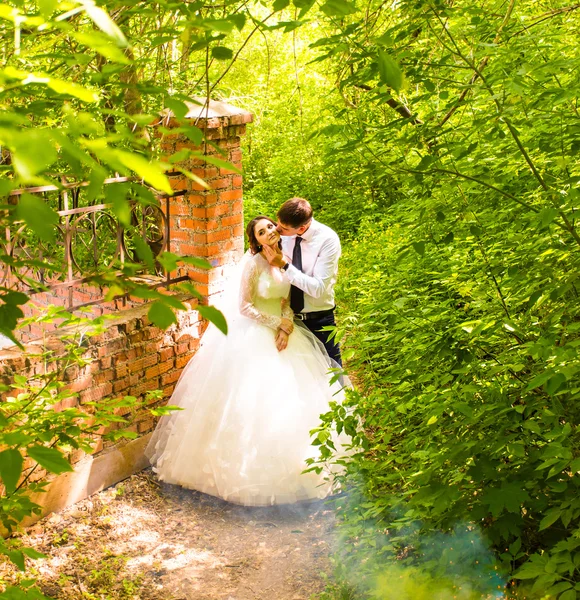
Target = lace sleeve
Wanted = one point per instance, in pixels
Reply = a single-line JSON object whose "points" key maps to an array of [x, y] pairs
{"points": [[287, 312], [248, 292]]}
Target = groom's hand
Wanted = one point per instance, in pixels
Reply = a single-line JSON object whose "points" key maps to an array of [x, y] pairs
{"points": [[276, 259]]}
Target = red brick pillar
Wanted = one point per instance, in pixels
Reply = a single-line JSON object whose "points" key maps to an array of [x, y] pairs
{"points": [[208, 222]]}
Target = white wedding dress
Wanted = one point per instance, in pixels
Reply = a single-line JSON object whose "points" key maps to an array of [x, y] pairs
{"points": [[243, 433]]}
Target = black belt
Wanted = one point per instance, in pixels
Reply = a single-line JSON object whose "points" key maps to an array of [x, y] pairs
{"points": [[318, 314]]}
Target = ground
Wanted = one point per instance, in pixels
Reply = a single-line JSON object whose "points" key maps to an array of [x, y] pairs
{"points": [[147, 540]]}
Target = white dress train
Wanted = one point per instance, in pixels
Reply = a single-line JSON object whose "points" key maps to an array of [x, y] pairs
{"points": [[247, 409]]}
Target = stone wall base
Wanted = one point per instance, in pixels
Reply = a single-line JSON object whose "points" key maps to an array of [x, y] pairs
{"points": [[92, 474]]}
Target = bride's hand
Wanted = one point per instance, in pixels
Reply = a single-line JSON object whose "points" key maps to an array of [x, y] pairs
{"points": [[281, 340], [287, 325]]}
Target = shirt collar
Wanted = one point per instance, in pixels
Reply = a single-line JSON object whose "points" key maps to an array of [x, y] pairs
{"points": [[311, 231]]}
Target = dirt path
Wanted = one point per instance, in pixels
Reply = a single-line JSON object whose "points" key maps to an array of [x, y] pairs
{"points": [[145, 540]]}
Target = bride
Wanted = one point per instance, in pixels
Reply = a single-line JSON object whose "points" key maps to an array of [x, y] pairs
{"points": [[249, 399]]}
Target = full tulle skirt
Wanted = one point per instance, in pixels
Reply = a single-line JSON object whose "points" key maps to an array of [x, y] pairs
{"points": [[247, 410]]}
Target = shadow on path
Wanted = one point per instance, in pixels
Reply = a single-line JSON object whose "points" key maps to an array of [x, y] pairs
{"points": [[149, 540]]}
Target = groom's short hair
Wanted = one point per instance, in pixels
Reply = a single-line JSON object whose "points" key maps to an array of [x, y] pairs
{"points": [[295, 212]]}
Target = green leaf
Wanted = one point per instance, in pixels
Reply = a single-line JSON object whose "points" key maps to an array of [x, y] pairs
{"points": [[201, 263], [27, 163], [530, 570], [152, 172], [49, 458], [509, 497], [280, 4], [58, 85], [173, 302], [390, 71], [222, 53], [568, 595], [238, 19], [34, 211], [551, 517], [17, 558], [558, 588], [221, 25], [213, 315], [12, 297], [160, 314], [547, 215], [177, 107], [555, 383], [144, 252], [32, 553], [419, 248], [338, 8], [72, 89], [168, 261], [47, 7], [515, 546], [104, 22], [304, 6], [217, 162], [102, 44], [11, 462], [539, 380], [116, 194], [193, 134], [9, 315]]}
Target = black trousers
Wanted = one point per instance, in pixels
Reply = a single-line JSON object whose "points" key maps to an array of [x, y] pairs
{"points": [[316, 325]]}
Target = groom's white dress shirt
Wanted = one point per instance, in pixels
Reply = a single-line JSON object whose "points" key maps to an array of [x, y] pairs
{"points": [[320, 253]]}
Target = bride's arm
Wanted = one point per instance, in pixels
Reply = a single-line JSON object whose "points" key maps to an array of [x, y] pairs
{"points": [[287, 313], [248, 294]]}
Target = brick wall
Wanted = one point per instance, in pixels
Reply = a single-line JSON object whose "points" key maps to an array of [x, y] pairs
{"points": [[133, 356], [206, 221], [60, 297], [209, 222]]}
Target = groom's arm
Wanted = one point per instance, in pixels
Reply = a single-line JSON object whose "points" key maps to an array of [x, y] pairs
{"points": [[323, 274]]}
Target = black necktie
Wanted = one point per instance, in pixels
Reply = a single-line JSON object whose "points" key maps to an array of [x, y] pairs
{"points": [[297, 295]]}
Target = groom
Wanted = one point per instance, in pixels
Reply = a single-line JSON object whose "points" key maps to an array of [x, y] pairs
{"points": [[315, 250]]}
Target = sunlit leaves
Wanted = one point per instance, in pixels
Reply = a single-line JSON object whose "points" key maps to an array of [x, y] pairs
{"points": [[60, 86], [104, 22], [222, 53], [218, 162], [101, 43], [144, 252], [213, 315], [27, 163], [161, 315], [47, 7], [38, 216], [389, 71], [49, 458], [177, 107], [280, 4], [11, 462], [338, 8]]}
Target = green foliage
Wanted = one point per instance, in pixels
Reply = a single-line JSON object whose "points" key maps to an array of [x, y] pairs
{"points": [[459, 303], [439, 140], [37, 425]]}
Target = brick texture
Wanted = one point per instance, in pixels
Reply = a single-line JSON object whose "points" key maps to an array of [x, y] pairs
{"points": [[122, 363], [132, 356]]}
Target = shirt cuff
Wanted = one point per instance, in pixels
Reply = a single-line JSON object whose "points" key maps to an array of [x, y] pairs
{"points": [[291, 272]]}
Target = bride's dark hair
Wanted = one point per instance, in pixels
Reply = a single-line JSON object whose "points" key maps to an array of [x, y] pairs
{"points": [[255, 247]]}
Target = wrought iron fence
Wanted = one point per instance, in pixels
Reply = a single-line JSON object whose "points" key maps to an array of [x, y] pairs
{"points": [[89, 240]]}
